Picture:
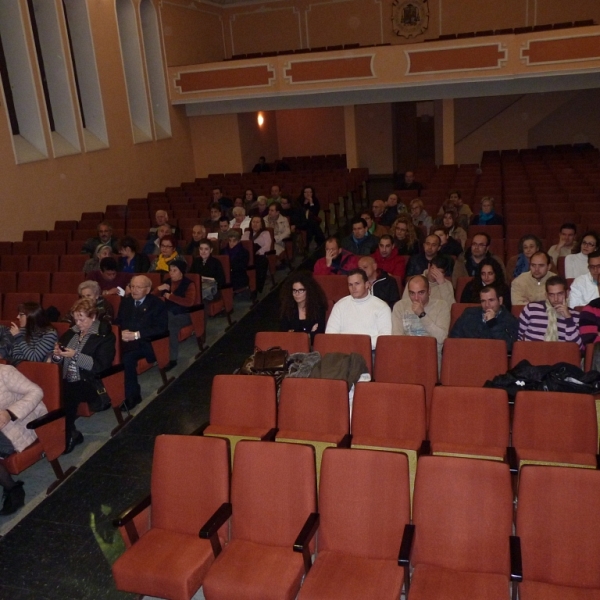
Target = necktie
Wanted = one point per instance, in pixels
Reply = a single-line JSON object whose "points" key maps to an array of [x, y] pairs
{"points": [[137, 303]]}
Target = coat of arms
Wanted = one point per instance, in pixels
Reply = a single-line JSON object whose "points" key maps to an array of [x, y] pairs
{"points": [[410, 17]]}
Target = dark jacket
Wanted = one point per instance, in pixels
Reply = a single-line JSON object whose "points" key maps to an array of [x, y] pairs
{"points": [[385, 288], [452, 248], [296, 324], [141, 263], [213, 268], [419, 263], [238, 261], [469, 295], [471, 325], [364, 247]]}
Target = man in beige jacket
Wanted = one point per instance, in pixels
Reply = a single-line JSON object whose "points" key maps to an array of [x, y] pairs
{"points": [[531, 285]]}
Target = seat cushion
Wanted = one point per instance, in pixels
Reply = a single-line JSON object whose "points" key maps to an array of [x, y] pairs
{"points": [[436, 583], [164, 564], [378, 442], [309, 436], [535, 590], [449, 448], [338, 576], [249, 571], [223, 430], [551, 456]]}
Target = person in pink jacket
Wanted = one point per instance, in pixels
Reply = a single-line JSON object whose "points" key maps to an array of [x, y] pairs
{"points": [[20, 403]]}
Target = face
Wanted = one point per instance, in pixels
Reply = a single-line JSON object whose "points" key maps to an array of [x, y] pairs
{"points": [[539, 266], [285, 203], [198, 233], [594, 268], [204, 250], [215, 214], [367, 218], [332, 246], [401, 231], [415, 210], [273, 212], [417, 291], [232, 242], [22, 317], [487, 275], [588, 244], [385, 248], [275, 191], [224, 226], [442, 235], [256, 223], [162, 231], [556, 295], [104, 253], [239, 217], [431, 246], [161, 217], [487, 207], [262, 205], [359, 231], [490, 301], [455, 199], [448, 221], [479, 247], [175, 274], [238, 202], [166, 248], [88, 294], [109, 274], [216, 195], [378, 207], [567, 236], [358, 287], [308, 194], [104, 233], [83, 321], [248, 195], [409, 177], [529, 248], [369, 266], [126, 252], [392, 200], [139, 288], [299, 292]]}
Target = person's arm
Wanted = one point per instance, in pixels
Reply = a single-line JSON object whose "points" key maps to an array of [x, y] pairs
{"points": [[589, 319], [447, 293], [102, 357], [523, 323], [155, 321], [384, 320], [397, 322], [30, 394], [321, 268], [438, 323], [572, 329], [189, 298], [37, 349], [517, 293], [264, 243]]}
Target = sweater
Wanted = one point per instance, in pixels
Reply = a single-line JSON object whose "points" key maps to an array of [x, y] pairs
{"points": [[576, 265], [37, 349], [525, 288], [394, 264], [437, 291], [533, 324], [589, 323], [582, 291]]}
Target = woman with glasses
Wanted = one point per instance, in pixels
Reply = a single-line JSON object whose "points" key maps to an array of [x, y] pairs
{"points": [[303, 304], [33, 337], [168, 253], [577, 264]]}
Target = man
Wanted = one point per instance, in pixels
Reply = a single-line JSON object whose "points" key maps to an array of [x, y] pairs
{"points": [[419, 263], [450, 246], [218, 197], [224, 227], [108, 279], [141, 316], [407, 182], [490, 322], [280, 226], [387, 257], [337, 261], [530, 286], [360, 242], [372, 226], [360, 312], [198, 234], [162, 218], [589, 323], [566, 242], [212, 224], [378, 208], [584, 288], [393, 208], [421, 315], [467, 264], [439, 287], [381, 285], [261, 166], [275, 195], [550, 320], [463, 211], [104, 237]]}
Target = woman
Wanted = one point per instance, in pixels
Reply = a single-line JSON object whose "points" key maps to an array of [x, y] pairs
{"points": [[487, 215], [90, 290], [34, 337], [406, 240], [577, 264], [261, 239], [419, 215], [488, 271], [260, 208], [131, 260], [209, 268], [238, 260], [528, 245], [179, 294], [455, 231], [249, 199], [198, 234], [168, 253], [240, 220], [93, 264], [303, 304], [20, 403], [311, 207], [85, 350]]}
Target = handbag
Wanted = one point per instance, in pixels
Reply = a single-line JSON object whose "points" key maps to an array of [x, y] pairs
{"points": [[100, 400], [273, 359]]}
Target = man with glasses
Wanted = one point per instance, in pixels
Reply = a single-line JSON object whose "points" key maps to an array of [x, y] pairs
{"points": [[584, 288], [467, 265], [104, 237], [141, 317]]}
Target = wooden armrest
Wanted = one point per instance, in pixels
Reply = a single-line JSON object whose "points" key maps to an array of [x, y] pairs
{"points": [[133, 511], [53, 415], [302, 542], [210, 529], [516, 564]]}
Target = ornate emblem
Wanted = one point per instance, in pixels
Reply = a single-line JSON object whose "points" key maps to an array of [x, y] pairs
{"points": [[410, 17]]}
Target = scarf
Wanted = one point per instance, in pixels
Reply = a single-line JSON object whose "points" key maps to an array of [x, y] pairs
{"points": [[484, 218], [522, 265], [551, 334], [163, 263]]}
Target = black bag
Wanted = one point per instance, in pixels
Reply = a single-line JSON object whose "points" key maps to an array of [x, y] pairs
{"points": [[101, 400], [273, 359]]}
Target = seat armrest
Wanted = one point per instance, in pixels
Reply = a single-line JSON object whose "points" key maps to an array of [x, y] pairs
{"points": [[53, 415], [345, 441], [516, 564], [425, 448], [110, 371], [406, 545], [598, 461], [200, 430], [270, 435], [133, 511], [158, 336], [195, 308], [210, 529], [511, 459], [302, 543]]}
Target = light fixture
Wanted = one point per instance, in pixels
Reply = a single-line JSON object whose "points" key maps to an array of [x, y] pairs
{"points": [[260, 119]]}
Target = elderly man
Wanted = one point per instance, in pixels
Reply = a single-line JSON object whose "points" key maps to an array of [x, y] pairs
{"points": [[584, 288], [419, 263], [566, 242], [141, 316], [378, 208], [360, 242], [439, 287], [104, 237], [153, 246], [280, 226], [393, 208], [381, 285], [490, 322], [161, 217], [550, 320], [360, 312], [198, 234], [530, 286], [337, 261], [421, 315], [387, 257]]}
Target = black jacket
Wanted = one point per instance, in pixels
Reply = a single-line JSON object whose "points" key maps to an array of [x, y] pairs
{"points": [[471, 325], [385, 288], [101, 347], [213, 268]]}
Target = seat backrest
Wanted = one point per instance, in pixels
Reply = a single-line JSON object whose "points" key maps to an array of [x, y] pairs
{"points": [[29, 281], [63, 283], [558, 521], [8, 281], [460, 286], [190, 480], [389, 410], [471, 362], [14, 262], [469, 416], [73, 263], [52, 247], [292, 341], [43, 262], [334, 286], [314, 405], [363, 502], [243, 400], [345, 343], [555, 421], [25, 247], [62, 302], [48, 377], [273, 491], [457, 309], [546, 353], [12, 301], [224, 260], [463, 514]]}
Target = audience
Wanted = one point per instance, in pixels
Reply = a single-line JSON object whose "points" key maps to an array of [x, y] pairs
{"points": [[530, 286], [439, 287], [261, 166], [393, 210], [240, 220], [406, 237], [528, 245], [487, 215], [388, 259], [238, 260], [360, 241], [479, 249], [217, 197], [93, 264], [419, 215], [224, 229], [198, 234], [275, 195], [161, 217], [373, 226], [90, 290], [153, 246], [407, 182], [455, 230], [584, 288], [462, 210], [109, 279], [280, 226], [419, 263], [249, 199], [32, 337], [104, 237], [450, 246], [589, 323], [577, 264], [488, 272], [168, 253], [260, 208], [377, 210], [210, 269], [566, 242], [131, 260], [381, 285], [337, 261]]}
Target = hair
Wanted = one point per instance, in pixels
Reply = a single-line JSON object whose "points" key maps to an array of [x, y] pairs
{"points": [[252, 192], [453, 214], [128, 242], [99, 249], [104, 224], [360, 272], [357, 220], [316, 300], [556, 280], [108, 264], [488, 199], [548, 258], [255, 234], [594, 254], [89, 285], [591, 234], [37, 320], [85, 306], [367, 212], [528, 237], [215, 206], [568, 226], [262, 200], [411, 234], [180, 264], [234, 233], [492, 286], [387, 236], [457, 192], [441, 261], [169, 238], [301, 196], [277, 206], [499, 280], [217, 187], [223, 219], [205, 242], [488, 239], [238, 211], [421, 277], [417, 202], [333, 238]]}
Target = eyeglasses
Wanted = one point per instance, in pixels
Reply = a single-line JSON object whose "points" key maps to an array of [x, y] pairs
{"points": [[298, 291], [593, 267], [584, 243], [166, 246]]}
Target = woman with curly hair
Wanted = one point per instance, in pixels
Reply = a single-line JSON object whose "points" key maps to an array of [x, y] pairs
{"points": [[303, 304], [488, 271], [406, 239]]}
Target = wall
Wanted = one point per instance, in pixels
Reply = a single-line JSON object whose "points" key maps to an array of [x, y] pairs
{"points": [[258, 141], [374, 137]]}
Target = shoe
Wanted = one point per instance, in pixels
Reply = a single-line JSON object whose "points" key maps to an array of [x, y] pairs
{"points": [[172, 364], [130, 403], [14, 499], [75, 439]]}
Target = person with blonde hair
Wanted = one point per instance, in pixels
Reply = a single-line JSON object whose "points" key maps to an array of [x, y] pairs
{"points": [[487, 215], [419, 215]]}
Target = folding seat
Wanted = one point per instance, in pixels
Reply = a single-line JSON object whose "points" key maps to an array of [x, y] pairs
{"points": [[462, 522], [14, 262], [5, 248], [555, 427], [363, 509], [189, 485], [43, 262], [67, 225], [35, 236], [546, 353], [8, 281], [62, 302], [460, 287], [75, 246], [25, 247], [55, 247], [12, 301], [558, 529], [292, 341], [494, 231], [66, 282], [30, 281], [334, 286], [345, 343], [457, 309], [273, 508], [472, 362], [80, 235]]}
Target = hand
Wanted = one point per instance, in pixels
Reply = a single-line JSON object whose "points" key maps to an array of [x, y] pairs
{"points": [[14, 329], [489, 314], [560, 245], [417, 308], [111, 292], [128, 336], [165, 286], [437, 274], [329, 256], [315, 327], [563, 311], [167, 295]]}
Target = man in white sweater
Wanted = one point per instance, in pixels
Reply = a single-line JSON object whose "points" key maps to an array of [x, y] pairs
{"points": [[360, 312]]}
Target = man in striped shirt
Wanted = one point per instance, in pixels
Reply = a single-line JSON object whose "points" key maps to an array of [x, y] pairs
{"points": [[550, 320]]}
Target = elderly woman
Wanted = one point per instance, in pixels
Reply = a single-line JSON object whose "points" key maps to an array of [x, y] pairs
{"points": [[20, 403], [90, 290], [33, 337], [85, 350], [168, 253], [240, 220], [131, 260], [93, 264], [487, 215], [528, 245], [577, 264]]}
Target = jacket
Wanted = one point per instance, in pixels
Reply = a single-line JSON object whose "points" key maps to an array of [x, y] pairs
{"points": [[471, 325], [385, 288], [364, 247], [341, 265]]}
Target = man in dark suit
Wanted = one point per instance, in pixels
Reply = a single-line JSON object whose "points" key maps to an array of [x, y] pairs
{"points": [[141, 316]]}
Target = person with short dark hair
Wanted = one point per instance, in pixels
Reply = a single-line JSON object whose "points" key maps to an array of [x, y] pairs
{"points": [[406, 181], [132, 261], [566, 242], [311, 207], [529, 286], [360, 241], [337, 261], [261, 166], [393, 209], [419, 263], [217, 196], [450, 246], [479, 249], [108, 277], [387, 258], [209, 268], [212, 224]]}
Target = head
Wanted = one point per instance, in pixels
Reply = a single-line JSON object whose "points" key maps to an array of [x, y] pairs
{"points": [[167, 245], [529, 245], [108, 268], [489, 271], [177, 269], [556, 291], [441, 262], [204, 249], [369, 266], [163, 230], [215, 211], [84, 313], [198, 232], [487, 205], [238, 201], [261, 203], [128, 246], [409, 177], [392, 200], [418, 289], [103, 251], [257, 224], [431, 246], [233, 237], [442, 233], [161, 217], [286, 204], [539, 265], [32, 317], [89, 290], [489, 298], [386, 245], [455, 197], [416, 207], [308, 192], [358, 284], [479, 246], [262, 160], [594, 264], [239, 214], [449, 219], [378, 208], [249, 195], [217, 194], [140, 287], [301, 290], [332, 244], [104, 232], [274, 210], [359, 228], [589, 243], [367, 217], [223, 224], [401, 229], [567, 234], [275, 191]]}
